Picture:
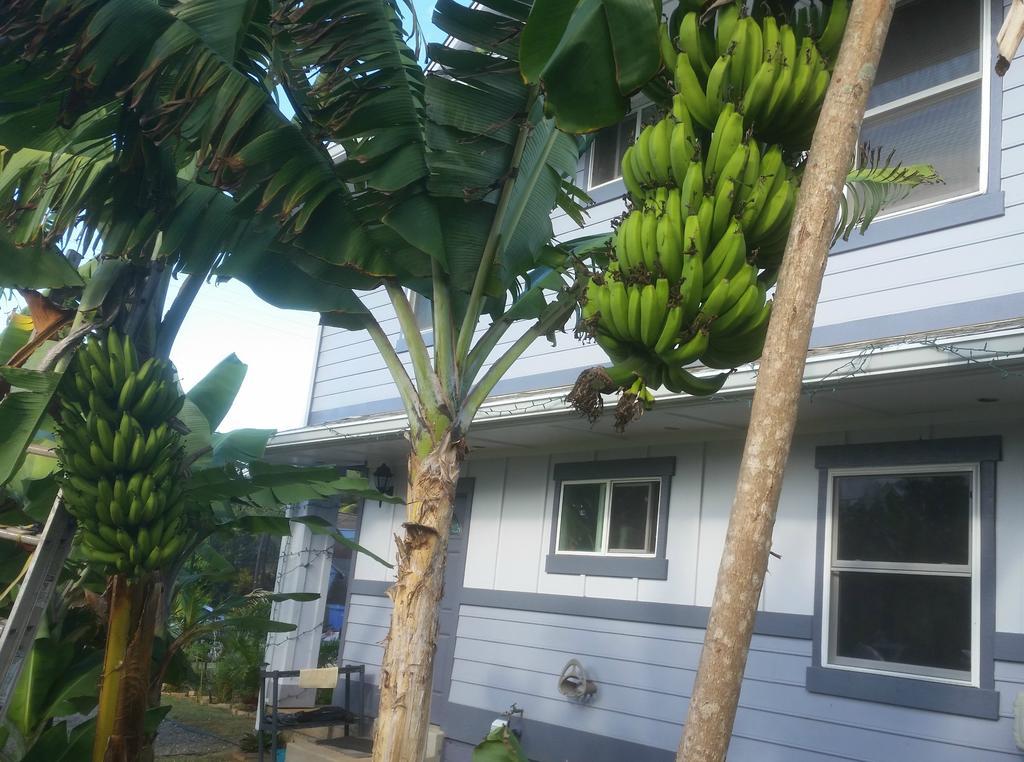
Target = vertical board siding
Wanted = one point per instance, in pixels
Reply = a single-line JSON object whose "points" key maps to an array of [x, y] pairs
{"points": [[645, 674], [512, 522]]}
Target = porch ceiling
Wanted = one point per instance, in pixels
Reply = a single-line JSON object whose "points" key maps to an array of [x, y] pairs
{"points": [[915, 383]]}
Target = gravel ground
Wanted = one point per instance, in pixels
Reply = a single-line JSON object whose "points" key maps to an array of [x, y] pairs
{"points": [[177, 739]]}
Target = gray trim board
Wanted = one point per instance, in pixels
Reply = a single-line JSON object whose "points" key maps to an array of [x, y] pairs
{"points": [[911, 453], [615, 469], [655, 567], [680, 615], [607, 192], [1008, 646], [450, 609], [905, 690], [985, 206], [979, 311], [368, 587], [543, 742], [884, 689], [774, 623]]}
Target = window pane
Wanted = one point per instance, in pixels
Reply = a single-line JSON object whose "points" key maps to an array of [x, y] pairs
{"points": [[609, 145], [952, 30], [582, 519], [919, 620], [631, 524], [909, 518], [422, 310], [944, 132]]}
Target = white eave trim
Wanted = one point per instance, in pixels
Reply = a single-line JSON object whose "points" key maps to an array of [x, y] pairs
{"points": [[886, 357]]}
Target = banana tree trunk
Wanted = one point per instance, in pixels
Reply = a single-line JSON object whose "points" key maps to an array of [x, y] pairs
{"points": [[403, 718], [124, 691], [773, 414], [119, 627]]}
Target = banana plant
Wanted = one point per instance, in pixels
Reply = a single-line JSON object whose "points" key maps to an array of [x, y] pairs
{"points": [[174, 155], [233, 491]]}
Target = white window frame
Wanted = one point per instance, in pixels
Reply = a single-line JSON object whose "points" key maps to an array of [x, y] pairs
{"points": [[983, 75], [653, 508], [636, 114], [972, 568]]}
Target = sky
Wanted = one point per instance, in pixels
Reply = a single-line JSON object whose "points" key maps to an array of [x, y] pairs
{"points": [[279, 346]]}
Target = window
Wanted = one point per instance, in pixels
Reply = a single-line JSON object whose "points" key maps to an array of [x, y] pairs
{"points": [[904, 610], [609, 518], [929, 103], [424, 314], [611, 143], [902, 588]]}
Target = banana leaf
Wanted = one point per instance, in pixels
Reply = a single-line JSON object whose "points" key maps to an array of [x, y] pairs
{"points": [[216, 391], [34, 266], [280, 526], [22, 412], [873, 186], [590, 56]]}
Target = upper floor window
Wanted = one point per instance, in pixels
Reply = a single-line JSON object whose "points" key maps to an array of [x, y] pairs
{"points": [[901, 595], [605, 164], [929, 102]]}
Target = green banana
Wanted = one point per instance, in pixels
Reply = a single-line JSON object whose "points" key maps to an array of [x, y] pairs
{"points": [[669, 330], [682, 146], [687, 352], [832, 35], [660, 147], [668, 50], [691, 45], [690, 88], [680, 381], [742, 309]]}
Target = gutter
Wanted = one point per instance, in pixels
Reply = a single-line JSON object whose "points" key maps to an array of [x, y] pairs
{"points": [[977, 344]]}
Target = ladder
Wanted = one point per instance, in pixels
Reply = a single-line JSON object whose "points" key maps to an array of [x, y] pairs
{"points": [[52, 546]]}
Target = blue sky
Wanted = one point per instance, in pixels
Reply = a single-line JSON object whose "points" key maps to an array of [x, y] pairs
{"points": [[278, 345]]}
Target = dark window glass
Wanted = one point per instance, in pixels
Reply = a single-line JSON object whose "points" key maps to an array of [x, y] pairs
{"points": [[952, 30], [582, 520], [910, 619], [943, 131], [609, 145], [630, 525], [903, 518]]}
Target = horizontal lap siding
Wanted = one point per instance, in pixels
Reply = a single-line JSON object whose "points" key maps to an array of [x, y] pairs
{"points": [[365, 629], [645, 673]]}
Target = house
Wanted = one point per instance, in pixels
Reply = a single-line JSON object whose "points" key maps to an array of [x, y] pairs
{"points": [[892, 620]]}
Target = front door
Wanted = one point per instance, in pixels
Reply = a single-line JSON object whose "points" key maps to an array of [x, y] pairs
{"points": [[448, 618]]}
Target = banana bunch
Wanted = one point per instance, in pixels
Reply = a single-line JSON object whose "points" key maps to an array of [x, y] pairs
{"points": [[120, 457], [775, 76], [712, 190]]}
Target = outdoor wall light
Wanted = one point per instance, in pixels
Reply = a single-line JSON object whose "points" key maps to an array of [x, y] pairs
{"points": [[384, 479]]}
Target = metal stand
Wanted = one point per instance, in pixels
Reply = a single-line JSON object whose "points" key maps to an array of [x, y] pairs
{"points": [[52, 548], [275, 676]]}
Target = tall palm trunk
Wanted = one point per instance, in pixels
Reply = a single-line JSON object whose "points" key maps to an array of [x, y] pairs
{"points": [[773, 415], [404, 714]]}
